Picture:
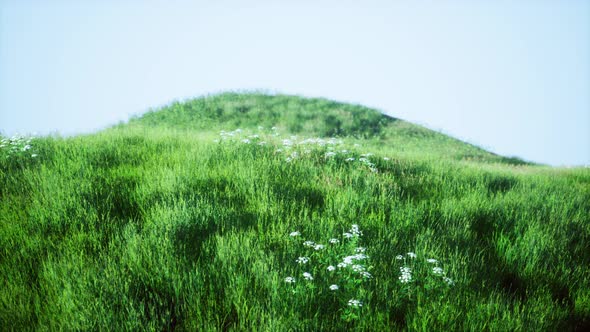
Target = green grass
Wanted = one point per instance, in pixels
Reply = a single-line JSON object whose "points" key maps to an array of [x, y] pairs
{"points": [[162, 223]]}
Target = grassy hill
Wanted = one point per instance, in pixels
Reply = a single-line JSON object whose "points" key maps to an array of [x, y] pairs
{"points": [[314, 118], [278, 213]]}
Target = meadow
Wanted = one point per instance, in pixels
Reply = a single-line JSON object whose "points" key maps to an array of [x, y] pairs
{"points": [[253, 212]]}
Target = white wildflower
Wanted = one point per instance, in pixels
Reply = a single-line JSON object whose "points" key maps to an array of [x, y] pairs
{"points": [[347, 235], [307, 276], [355, 303], [355, 230], [348, 260], [360, 249], [333, 287], [350, 159], [331, 268], [318, 247], [449, 281], [360, 257], [399, 257], [296, 233], [358, 268], [289, 280], [302, 260], [366, 275], [310, 244], [411, 255], [438, 271], [334, 241], [406, 274], [432, 261]]}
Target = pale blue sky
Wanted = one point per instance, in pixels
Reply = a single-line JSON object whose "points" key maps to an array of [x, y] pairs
{"points": [[510, 76]]}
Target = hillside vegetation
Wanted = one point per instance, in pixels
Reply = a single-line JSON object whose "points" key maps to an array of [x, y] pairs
{"points": [[279, 213]]}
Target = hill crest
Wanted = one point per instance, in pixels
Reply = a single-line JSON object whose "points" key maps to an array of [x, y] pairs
{"points": [[317, 117]]}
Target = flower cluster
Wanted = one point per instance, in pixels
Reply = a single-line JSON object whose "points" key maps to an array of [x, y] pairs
{"points": [[302, 260], [365, 160], [353, 232], [406, 275], [355, 303], [237, 134], [411, 264], [17, 145], [293, 148], [342, 266]]}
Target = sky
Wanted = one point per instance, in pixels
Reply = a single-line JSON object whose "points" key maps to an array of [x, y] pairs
{"points": [[512, 77]]}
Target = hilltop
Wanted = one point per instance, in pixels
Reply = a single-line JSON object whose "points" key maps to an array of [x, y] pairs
{"points": [[250, 212], [317, 117]]}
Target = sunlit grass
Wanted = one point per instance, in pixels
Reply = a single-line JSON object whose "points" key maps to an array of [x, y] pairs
{"points": [[148, 227]]}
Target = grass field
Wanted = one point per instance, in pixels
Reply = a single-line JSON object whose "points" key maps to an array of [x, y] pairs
{"points": [[279, 213]]}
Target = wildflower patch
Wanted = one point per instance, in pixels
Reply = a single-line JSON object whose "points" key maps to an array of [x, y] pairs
{"points": [[294, 148], [17, 146], [333, 274], [421, 274]]}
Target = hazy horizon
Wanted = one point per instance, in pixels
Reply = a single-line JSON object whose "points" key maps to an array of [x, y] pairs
{"points": [[513, 78]]}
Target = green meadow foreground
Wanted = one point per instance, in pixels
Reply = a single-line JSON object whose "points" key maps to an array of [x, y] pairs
{"points": [[278, 213]]}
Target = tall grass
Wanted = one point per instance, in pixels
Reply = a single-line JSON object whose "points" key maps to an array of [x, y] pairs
{"points": [[142, 227]]}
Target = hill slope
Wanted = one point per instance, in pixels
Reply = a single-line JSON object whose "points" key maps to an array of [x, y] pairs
{"points": [[313, 117], [178, 220]]}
